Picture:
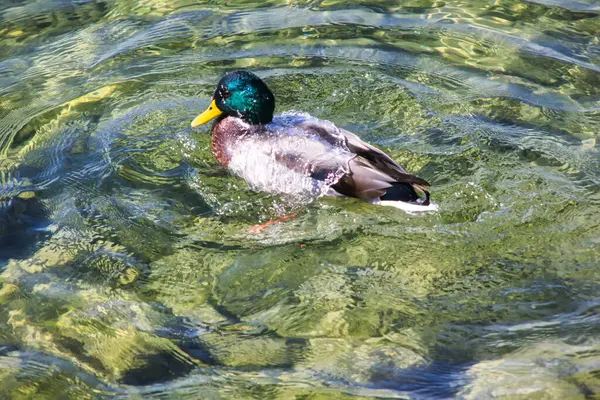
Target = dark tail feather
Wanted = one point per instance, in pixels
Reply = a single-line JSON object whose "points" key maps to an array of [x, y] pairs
{"points": [[407, 193]]}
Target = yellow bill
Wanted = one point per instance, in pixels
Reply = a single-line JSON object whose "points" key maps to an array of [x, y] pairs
{"points": [[211, 112]]}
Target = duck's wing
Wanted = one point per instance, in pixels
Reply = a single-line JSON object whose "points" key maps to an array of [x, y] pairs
{"points": [[372, 173]]}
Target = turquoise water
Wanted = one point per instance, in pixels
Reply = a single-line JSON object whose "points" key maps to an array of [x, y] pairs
{"points": [[127, 261]]}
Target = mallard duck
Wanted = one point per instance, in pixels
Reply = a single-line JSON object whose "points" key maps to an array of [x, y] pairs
{"points": [[297, 154]]}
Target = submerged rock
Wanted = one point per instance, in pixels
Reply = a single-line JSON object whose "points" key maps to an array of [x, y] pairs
{"points": [[547, 370]]}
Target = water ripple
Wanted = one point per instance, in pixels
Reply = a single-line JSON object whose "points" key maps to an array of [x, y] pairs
{"points": [[127, 263]]}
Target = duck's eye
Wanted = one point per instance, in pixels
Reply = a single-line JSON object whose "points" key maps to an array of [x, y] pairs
{"points": [[225, 94]]}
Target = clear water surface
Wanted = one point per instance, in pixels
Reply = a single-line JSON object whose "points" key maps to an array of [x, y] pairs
{"points": [[127, 267]]}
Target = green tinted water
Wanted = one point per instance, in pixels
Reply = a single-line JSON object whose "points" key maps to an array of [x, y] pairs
{"points": [[128, 268]]}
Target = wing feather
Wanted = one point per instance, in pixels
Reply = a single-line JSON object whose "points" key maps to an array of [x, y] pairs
{"points": [[369, 171]]}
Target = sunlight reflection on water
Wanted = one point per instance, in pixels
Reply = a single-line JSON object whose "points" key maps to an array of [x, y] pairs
{"points": [[128, 267]]}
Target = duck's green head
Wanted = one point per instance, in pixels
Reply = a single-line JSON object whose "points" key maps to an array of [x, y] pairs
{"points": [[243, 95]]}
